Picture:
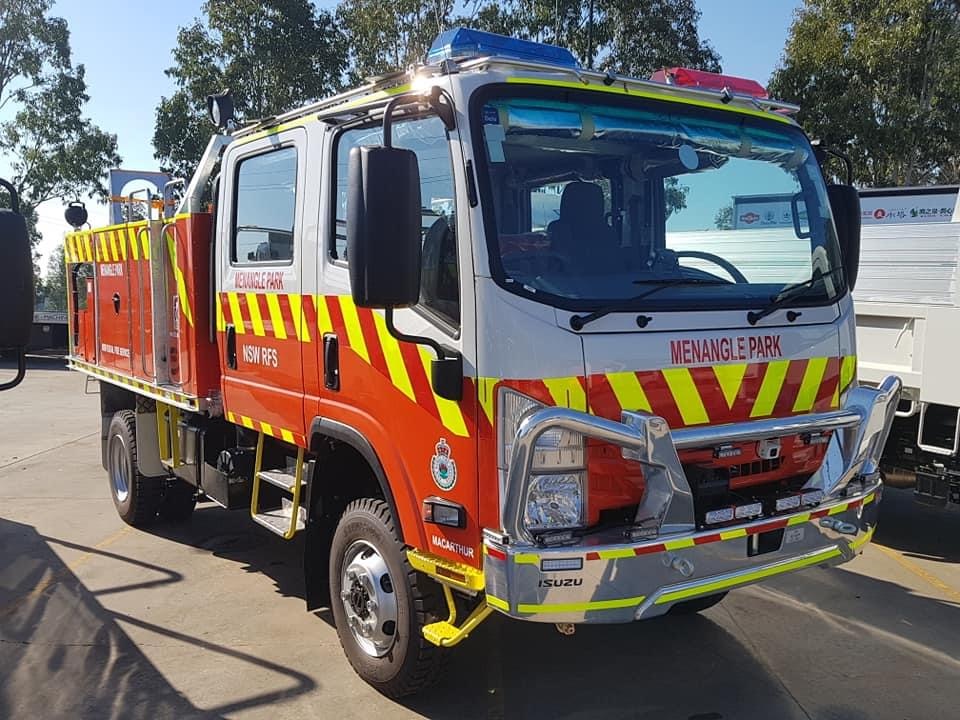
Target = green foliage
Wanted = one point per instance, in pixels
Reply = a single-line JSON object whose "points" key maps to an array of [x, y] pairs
{"points": [[723, 220], [54, 291], [881, 80], [274, 55], [54, 152]]}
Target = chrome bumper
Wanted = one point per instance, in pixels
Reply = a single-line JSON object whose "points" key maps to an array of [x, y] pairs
{"points": [[610, 580]]}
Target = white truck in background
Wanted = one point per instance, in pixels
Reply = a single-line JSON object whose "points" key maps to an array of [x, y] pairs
{"points": [[908, 324]]}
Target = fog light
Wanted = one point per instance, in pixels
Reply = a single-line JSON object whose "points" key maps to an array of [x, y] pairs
{"points": [[788, 503], [748, 511], [813, 497], [558, 564], [719, 516], [443, 512]]}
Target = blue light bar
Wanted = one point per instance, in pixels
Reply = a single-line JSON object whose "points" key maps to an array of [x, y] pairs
{"points": [[465, 42]]}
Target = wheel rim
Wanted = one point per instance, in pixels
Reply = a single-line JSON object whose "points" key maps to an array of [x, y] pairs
{"points": [[369, 599], [119, 468]]}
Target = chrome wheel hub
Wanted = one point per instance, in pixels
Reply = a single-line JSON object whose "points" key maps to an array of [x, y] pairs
{"points": [[119, 468], [369, 600]]}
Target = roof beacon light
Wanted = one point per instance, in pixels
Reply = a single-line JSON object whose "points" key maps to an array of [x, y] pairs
{"points": [[687, 77], [468, 43]]}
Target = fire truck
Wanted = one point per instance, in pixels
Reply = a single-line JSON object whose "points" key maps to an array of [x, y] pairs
{"points": [[458, 329]]}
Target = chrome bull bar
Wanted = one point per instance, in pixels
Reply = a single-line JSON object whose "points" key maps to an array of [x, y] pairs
{"points": [[859, 428]]}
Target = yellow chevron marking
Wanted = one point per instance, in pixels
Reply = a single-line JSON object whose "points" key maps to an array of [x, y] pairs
{"points": [[145, 242], [628, 390], [299, 321], [810, 385], [617, 554], [87, 244], [287, 436], [391, 352], [235, 314], [485, 389], [354, 332], [181, 282], [799, 519], [276, 317], [324, 324], [730, 377], [848, 369], [256, 321], [114, 254], [104, 252], [231, 417], [567, 392], [450, 414], [221, 323], [733, 534], [770, 388], [267, 428], [132, 239], [679, 544], [122, 242], [246, 422], [686, 395]]}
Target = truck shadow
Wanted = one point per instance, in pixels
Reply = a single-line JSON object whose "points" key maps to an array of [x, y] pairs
{"points": [[64, 655], [918, 530]]}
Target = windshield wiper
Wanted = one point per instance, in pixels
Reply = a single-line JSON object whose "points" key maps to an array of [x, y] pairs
{"points": [[790, 292], [577, 322]]}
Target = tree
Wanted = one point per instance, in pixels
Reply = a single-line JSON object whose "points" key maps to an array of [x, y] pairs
{"points": [[723, 220], [274, 55], [55, 283], [881, 80], [53, 151]]}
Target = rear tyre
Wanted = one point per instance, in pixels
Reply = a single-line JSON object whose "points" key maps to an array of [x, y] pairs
{"points": [[136, 496], [179, 500], [380, 604], [692, 607]]}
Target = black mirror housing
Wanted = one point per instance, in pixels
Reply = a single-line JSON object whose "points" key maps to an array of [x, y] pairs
{"points": [[16, 291], [383, 227], [845, 205]]}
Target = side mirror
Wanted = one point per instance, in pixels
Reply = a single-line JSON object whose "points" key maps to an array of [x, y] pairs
{"points": [[845, 205], [16, 292], [383, 227]]}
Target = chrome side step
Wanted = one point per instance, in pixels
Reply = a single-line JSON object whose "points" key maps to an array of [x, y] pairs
{"points": [[290, 518]]}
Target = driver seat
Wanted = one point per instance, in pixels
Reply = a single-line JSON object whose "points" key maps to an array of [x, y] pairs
{"points": [[581, 234]]}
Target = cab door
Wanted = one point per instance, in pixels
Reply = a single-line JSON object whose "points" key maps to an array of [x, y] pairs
{"points": [[259, 282]]}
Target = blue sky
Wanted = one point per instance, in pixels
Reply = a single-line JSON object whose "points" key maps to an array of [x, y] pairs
{"points": [[126, 47]]}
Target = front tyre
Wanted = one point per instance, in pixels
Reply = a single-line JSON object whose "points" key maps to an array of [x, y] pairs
{"points": [[380, 604], [136, 496]]}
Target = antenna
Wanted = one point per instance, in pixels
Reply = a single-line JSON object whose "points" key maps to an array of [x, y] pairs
{"points": [[590, 37]]}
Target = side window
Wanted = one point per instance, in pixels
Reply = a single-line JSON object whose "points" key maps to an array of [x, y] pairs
{"points": [[266, 202], [427, 137]]}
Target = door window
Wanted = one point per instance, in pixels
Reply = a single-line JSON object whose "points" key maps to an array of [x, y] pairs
{"points": [[265, 208]]}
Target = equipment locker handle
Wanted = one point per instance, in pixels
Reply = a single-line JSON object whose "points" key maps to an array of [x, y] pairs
{"points": [[231, 347]]}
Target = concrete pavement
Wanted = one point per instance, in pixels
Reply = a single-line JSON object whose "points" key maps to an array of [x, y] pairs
{"points": [[98, 620]]}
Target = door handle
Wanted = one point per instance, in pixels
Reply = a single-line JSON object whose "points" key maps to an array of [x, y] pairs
{"points": [[116, 303], [231, 347], [331, 362]]}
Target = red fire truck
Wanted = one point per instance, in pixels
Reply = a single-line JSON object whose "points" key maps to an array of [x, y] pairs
{"points": [[475, 330]]}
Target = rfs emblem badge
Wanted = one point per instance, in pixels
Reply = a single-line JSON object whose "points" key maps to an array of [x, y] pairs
{"points": [[442, 467]]}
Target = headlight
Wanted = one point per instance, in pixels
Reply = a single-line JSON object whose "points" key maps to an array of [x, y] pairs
{"points": [[554, 502], [555, 496]]}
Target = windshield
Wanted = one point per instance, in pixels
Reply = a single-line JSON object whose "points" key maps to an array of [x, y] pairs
{"points": [[589, 203]]}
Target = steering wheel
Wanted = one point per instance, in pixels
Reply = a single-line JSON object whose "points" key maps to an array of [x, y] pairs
{"points": [[716, 260]]}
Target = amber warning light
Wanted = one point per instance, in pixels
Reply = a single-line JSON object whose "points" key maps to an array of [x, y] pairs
{"points": [[687, 77]]}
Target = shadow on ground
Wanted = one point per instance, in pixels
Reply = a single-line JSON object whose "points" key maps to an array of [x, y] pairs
{"points": [[63, 654], [918, 530]]}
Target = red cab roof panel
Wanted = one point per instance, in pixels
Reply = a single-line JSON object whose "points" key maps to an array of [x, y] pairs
{"points": [[687, 77]]}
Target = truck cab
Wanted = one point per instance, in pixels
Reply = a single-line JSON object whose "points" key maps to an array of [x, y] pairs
{"points": [[509, 334]]}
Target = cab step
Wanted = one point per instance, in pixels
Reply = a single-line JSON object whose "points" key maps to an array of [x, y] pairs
{"points": [[446, 633], [290, 518], [283, 479], [278, 521]]}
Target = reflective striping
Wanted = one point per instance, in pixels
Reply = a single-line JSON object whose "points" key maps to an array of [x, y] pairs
{"points": [[733, 534], [686, 396], [450, 413], [526, 559], [862, 540], [770, 388], [256, 322], [134, 249], [181, 282], [352, 323], [730, 378], [394, 358], [485, 390], [287, 436], [628, 391], [182, 400], [497, 603], [324, 323], [299, 321], [717, 586], [235, 314], [616, 554], [276, 316], [679, 544], [111, 238], [221, 323], [567, 392], [267, 428], [810, 385], [848, 369], [581, 606]]}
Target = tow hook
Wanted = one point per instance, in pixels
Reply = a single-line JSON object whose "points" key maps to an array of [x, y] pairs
{"points": [[566, 628], [839, 525]]}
